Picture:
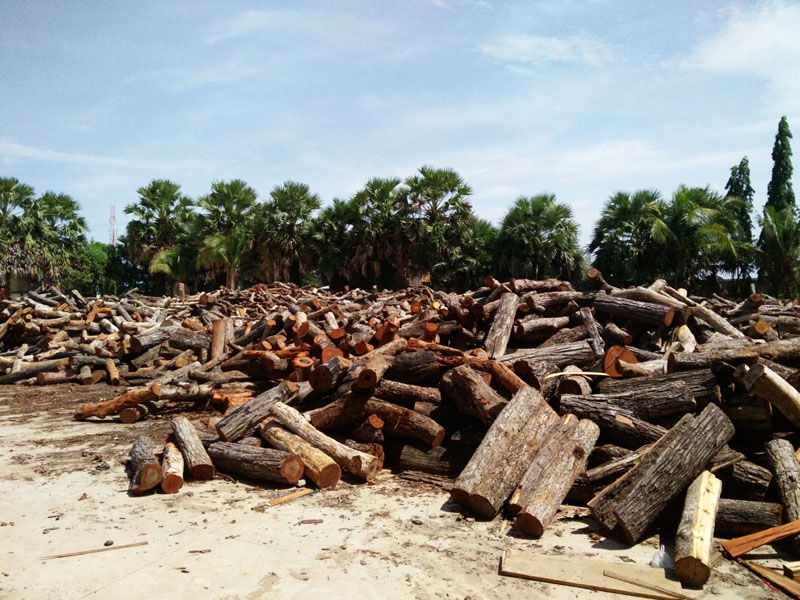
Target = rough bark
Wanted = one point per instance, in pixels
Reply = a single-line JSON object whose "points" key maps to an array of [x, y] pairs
{"points": [[573, 353], [244, 420], [145, 470], [656, 401], [499, 463], [552, 473], [703, 384], [743, 517], [630, 504], [472, 395], [196, 458], [360, 464], [624, 309], [787, 475], [262, 464], [413, 367], [406, 394], [319, 467]]}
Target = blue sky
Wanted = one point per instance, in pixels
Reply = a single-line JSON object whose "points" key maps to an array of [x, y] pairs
{"points": [[576, 98]]}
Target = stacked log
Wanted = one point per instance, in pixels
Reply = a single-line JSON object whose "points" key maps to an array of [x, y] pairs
{"points": [[506, 389]]}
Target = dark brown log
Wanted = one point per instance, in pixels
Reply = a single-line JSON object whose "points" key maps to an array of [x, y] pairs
{"points": [[471, 395], [360, 464], [593, 331], [195, 456], [574, 353], [319, 467], [536, 373], [375, 450], [615, 468], [399, 421], [326, 375], [538, 328], [406, 394], [500, 331], [743, 517], [413, 367], [606, 452], [177, 336], [703, 385], [244, 420], [787, 475], [785, 352], [32, 370], [262, 464], [372, 370], [554, 469], [448, 462], [172, 469], [632, 503], [656, 401], [145, 470], [566, 336], [617, 335], [745, 480], [623, 309], [574, 384], [499, 463], [109, 407], [370, 431]]}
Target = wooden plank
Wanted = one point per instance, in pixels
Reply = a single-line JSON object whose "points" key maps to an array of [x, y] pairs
{"points": [[644, 584], [790, 586], [588, 574], [82, 552], [291, 496], [742, 545]]}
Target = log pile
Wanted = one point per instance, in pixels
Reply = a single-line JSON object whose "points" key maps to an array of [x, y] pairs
{"points": [[525, 394]]}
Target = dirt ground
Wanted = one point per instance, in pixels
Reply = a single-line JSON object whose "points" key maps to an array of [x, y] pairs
{"points": [[63, 488]]}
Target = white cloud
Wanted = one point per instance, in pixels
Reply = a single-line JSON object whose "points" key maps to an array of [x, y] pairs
{"points": [[757, 41], [11, 150], [526, 49]]}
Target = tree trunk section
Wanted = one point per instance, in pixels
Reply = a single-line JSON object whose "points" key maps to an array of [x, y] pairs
{"points": [[743, 517], [505, 453], [360, 464], [553, 471], [110, 407], [406, 394], [145, 470], [500, 331], [172, 469], [787, 475], [654, 402], [196, 458], [694, 542], [261, 464], [472, 395], [629, 505], [646, 313], [244, 420], [319, 467]]}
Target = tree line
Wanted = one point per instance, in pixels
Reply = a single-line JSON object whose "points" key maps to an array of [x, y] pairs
{"points": [[393, 232]]}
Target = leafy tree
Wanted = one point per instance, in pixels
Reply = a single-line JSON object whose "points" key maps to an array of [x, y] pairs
{"points": [[226, 226], [626, 236], [332, 242], [14, 197], [779, 192], [779, 259], [284, 226], [738, 186], [439, 215], [469, 263], [538, 239]]}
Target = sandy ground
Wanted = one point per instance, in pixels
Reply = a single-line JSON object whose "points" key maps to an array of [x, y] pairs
{"points": [[63, 488]]}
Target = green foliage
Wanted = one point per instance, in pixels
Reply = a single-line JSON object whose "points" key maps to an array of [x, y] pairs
{"points": [[538, 239], [779, 258], [226, 227], [738, 186], [779, 192]]}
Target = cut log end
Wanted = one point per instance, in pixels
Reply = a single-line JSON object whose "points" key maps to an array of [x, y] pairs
{"points": [[529, 524], [483, 508], [329, 476], [691, 571], [292, 468], [171, 483], [205, 472]]}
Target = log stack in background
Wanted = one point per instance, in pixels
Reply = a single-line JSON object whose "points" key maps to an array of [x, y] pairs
{"points": [[524, 393]]}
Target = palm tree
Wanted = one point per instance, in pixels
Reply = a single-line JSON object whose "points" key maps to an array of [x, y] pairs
{"points": [[538, 238], [14, 197], [332, 241], [779, 258], [157, 219], [469, 263], [440, 215], [627, 235], [284, 225], [226, 226]]}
